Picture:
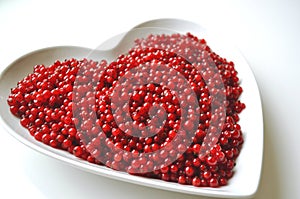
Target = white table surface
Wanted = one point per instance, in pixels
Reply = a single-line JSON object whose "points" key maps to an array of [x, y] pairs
{"points": [[266, 32]]}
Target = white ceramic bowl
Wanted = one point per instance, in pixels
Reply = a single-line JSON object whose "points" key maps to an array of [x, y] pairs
{"points": [[246, 178]]}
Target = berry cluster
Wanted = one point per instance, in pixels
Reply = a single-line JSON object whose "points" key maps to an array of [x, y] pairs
{"points": [[190, 136]]}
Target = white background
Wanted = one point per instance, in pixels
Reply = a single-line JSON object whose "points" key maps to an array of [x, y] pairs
{"points": [[266, 32]]}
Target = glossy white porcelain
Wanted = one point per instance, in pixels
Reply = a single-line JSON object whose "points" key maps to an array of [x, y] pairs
{"points": [[246, 178]]}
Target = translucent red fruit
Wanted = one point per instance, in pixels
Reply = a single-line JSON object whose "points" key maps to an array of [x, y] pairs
{"points": [[45, 101]]}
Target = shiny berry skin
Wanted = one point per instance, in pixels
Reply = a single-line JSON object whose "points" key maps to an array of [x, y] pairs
{"points": [[45, 100]]}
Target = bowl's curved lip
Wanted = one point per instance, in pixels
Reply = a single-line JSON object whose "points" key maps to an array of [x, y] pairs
{"points": [[15, 130]]}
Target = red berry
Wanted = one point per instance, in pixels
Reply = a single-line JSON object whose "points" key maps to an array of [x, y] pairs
{"points": [[59, 112], [196, 181], [189, 171], [213, 182], [77, 151]]}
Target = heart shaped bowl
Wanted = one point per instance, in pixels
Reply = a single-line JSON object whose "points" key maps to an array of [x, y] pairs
{"points": [[245, 180]]}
